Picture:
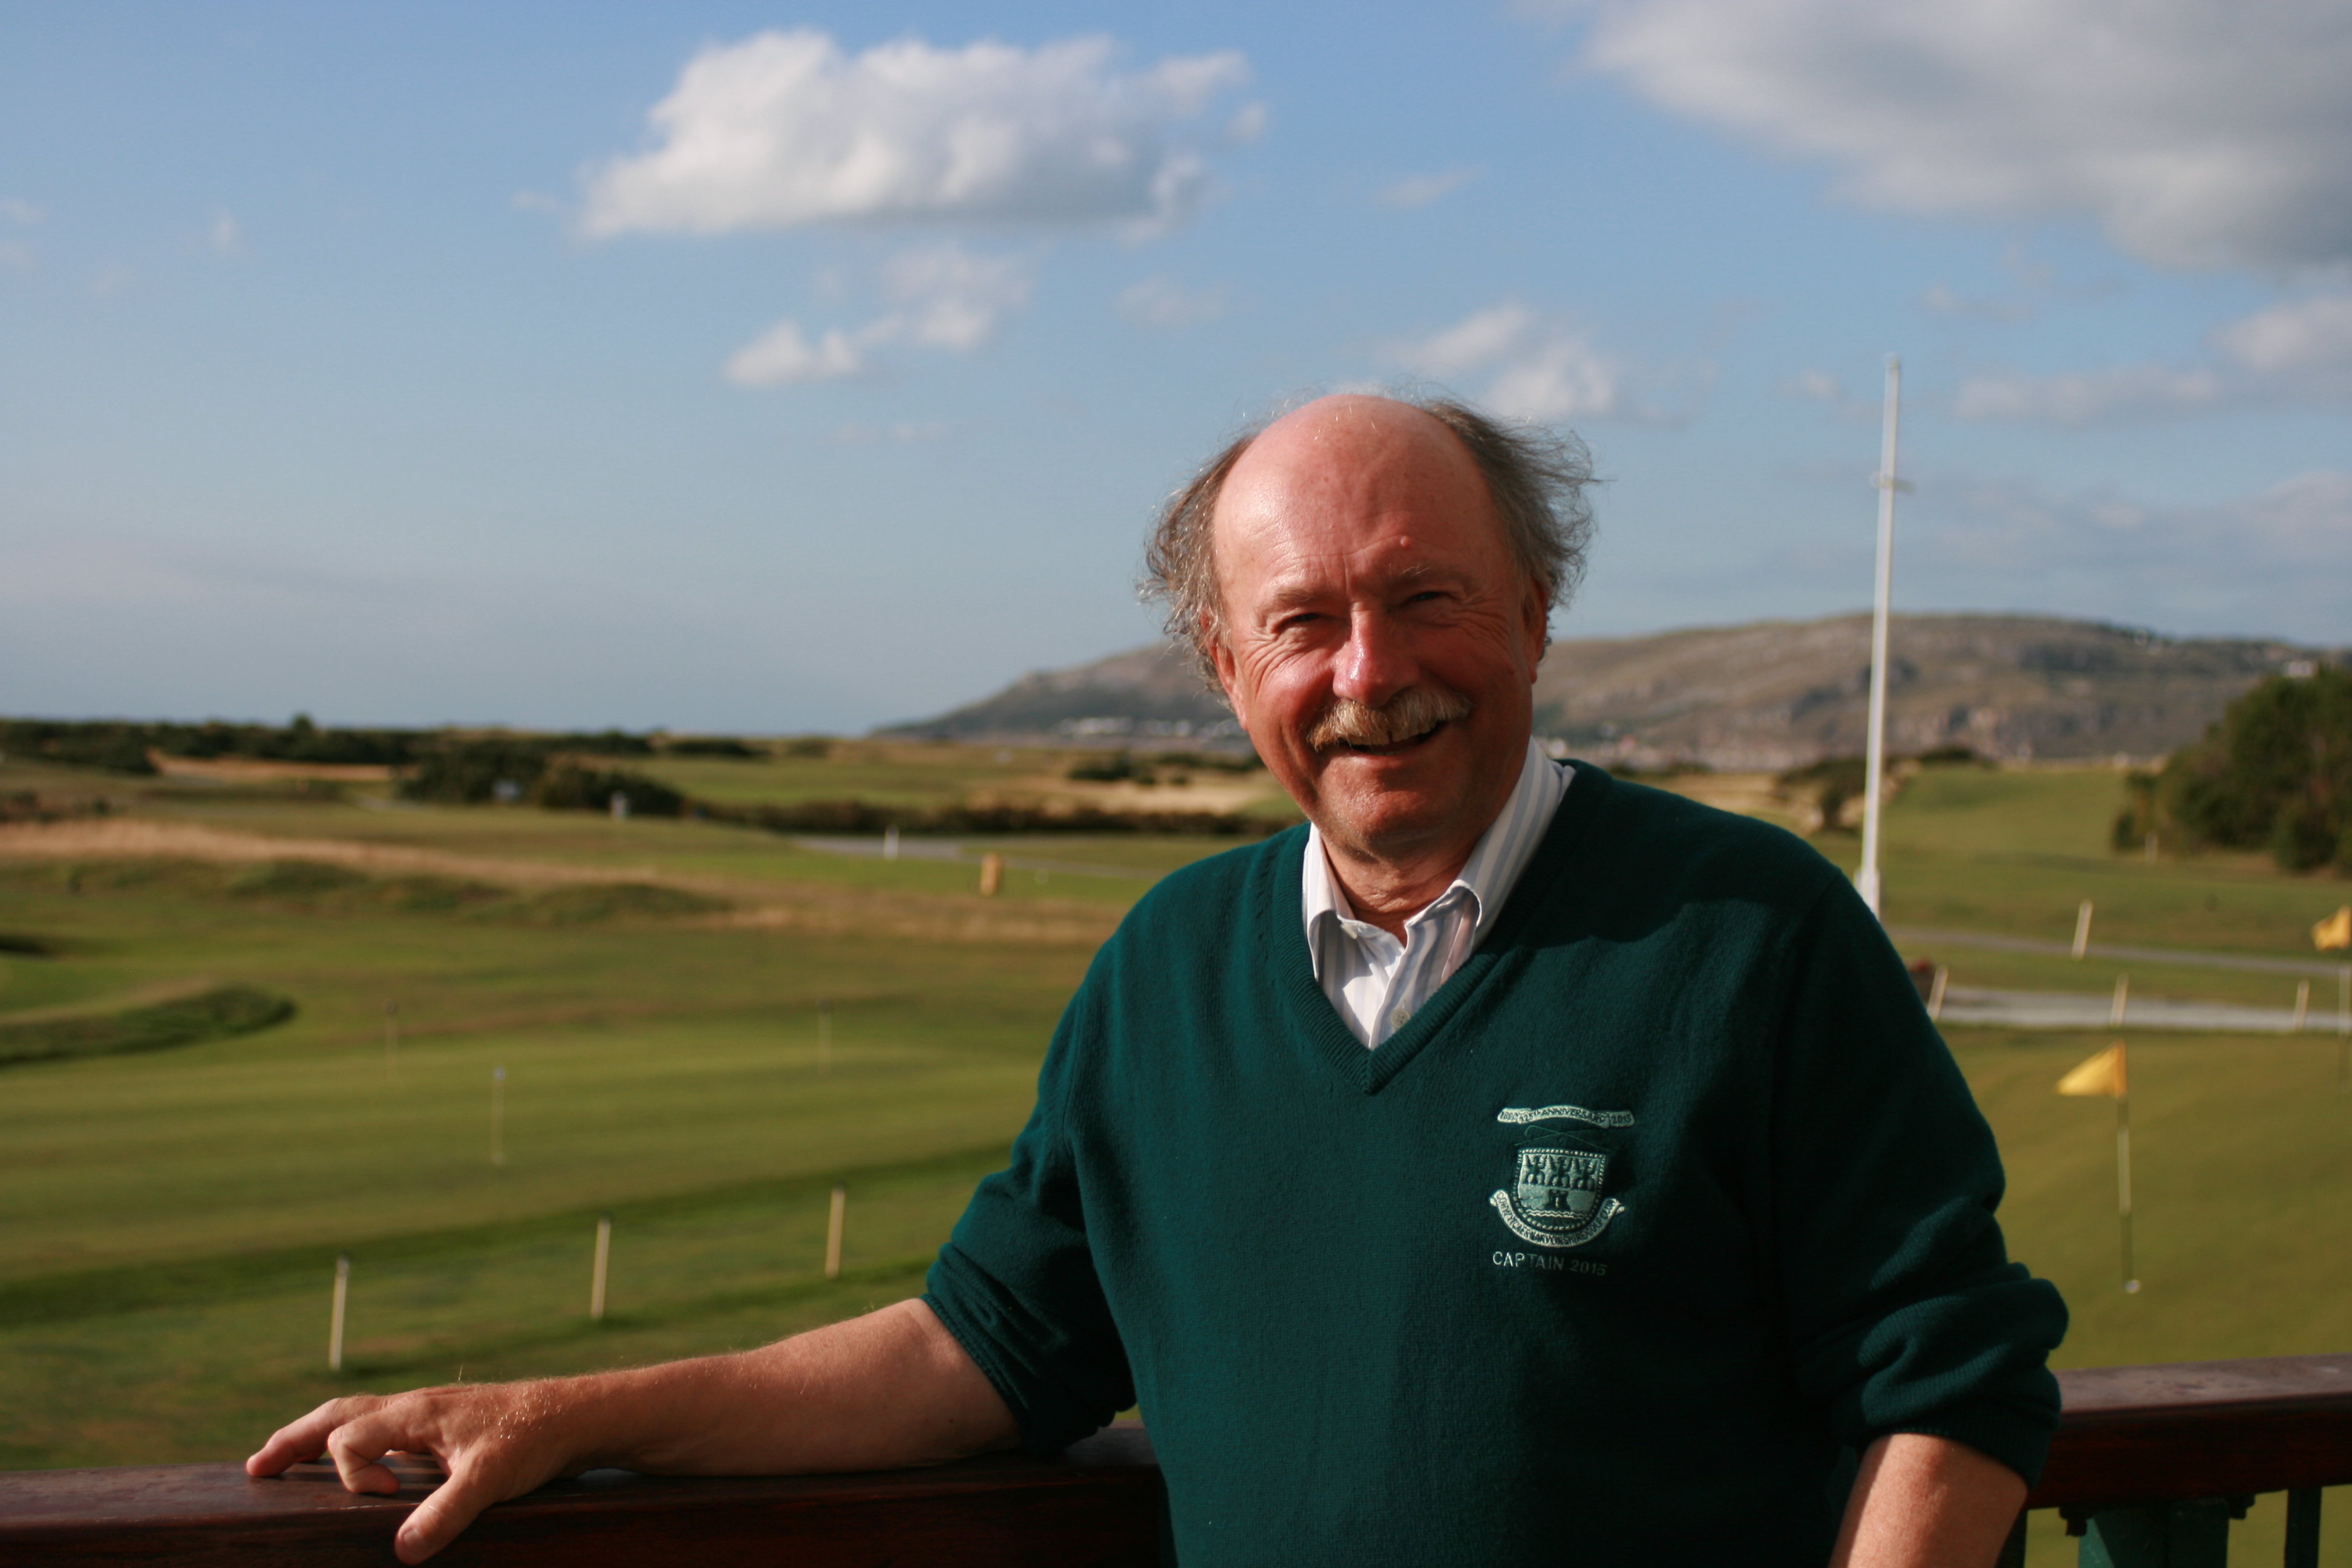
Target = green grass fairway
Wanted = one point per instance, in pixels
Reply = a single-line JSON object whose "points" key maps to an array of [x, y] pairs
{"points": [[169, 1220]]}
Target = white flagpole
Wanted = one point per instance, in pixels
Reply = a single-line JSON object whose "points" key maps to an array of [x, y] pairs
{"points": [[1867, 879]]}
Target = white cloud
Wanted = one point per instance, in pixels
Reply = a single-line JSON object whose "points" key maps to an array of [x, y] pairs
{"points": [[1419, 190], [784, 129], [950, 298], [2297, 351], [2083, 397], [17, 210], [2303, 335], [226, 238], [1163, 302], [1539, 367], [947, 297], [2196, 133], [781, 356], [2269, 563], [1820, 386]]}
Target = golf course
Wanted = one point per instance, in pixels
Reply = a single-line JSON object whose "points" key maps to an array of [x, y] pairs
{"points": [[248, 1027]]}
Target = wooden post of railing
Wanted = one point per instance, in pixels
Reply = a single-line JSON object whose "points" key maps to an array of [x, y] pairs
{"points": [[2153, 1462]]}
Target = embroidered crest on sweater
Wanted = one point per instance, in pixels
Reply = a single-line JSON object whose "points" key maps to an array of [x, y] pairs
{"points": [[1555, 1199]]}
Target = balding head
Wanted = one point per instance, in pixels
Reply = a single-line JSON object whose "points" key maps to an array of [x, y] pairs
{"points": [[1534, 482]]}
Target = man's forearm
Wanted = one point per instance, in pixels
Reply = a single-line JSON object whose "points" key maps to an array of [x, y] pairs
{"points": [[1928, 1502], [885, 1391]]}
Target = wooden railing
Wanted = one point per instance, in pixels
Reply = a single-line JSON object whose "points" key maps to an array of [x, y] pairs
{"points": [[2148, 1466]]}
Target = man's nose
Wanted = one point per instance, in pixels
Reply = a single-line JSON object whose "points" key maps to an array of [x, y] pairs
{"points": [[1378, 661]]}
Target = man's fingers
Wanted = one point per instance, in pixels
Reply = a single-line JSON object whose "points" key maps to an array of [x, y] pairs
{"points": [[304, 1440], [435, 1522], [357, 1447]]}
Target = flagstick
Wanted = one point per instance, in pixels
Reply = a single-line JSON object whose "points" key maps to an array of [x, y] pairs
{"points": [[604, 1257], [335, 1319], [832, 1233], [1874, 767]]}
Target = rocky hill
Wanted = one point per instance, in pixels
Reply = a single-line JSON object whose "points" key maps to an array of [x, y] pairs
{"points": [[1770, 695]]}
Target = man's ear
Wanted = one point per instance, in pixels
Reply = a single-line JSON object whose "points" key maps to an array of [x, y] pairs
{"points": [[1220, 656], [1538, 625]]}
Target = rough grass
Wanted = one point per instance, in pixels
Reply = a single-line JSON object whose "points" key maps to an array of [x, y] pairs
{"points": [[182, 1021]]}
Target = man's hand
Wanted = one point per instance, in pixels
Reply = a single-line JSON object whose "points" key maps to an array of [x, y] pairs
{"points": [[495, 1440], [1928, 1502], [886, 1391]]}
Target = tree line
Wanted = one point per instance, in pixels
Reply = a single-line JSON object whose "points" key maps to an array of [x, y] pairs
{"points": [[2274, 772]]}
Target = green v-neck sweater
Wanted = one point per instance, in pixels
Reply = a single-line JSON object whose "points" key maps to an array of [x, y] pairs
{"points": [[1666, 1204]]}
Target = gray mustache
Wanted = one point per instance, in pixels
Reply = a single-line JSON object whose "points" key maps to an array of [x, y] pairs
{"points": [[1348, 722]]}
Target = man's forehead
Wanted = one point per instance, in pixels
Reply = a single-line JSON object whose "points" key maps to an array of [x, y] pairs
{"points": [[1346, 442], [1364, 486]]}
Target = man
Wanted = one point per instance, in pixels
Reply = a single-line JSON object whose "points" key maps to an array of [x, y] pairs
{"points": [[1516, 1166]]}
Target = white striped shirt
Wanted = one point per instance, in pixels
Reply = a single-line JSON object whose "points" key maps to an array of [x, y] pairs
{"points": [[1378, 982]]}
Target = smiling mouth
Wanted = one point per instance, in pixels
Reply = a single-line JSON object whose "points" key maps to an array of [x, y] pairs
{"points": [[1395, 748]]}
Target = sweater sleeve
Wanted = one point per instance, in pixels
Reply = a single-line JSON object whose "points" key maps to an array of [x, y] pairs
{"points": [[1904, 1312], [1016, 1284]]}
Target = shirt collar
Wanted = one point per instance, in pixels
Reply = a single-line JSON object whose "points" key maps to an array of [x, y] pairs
{"points": [[1488, 877]]}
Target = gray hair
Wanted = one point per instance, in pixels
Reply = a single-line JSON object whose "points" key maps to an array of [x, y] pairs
{"points": [[1535, 480]]}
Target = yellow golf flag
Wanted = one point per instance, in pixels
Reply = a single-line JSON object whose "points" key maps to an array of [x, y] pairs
{"points": [[2102, 1074], [2335, 930]]}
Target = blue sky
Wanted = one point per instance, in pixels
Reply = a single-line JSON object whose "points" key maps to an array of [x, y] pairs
{"points": [[805, 367]]}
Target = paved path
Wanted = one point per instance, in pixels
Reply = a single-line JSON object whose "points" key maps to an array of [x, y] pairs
{"points": [[2075, 1010], [1920, 936]]}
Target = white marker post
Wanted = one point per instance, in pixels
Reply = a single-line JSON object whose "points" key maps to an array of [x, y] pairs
{"points": [[832, 1228], [1874, 764], [890, 843], [2123, 998], [1936, 993], [497, 1116], [335, 1318], [2081, 930], [2302, 1005], [604, 1259], [2344, 1030]]}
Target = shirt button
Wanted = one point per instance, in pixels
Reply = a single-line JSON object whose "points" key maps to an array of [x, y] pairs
{"points": [[1400, 1018]]}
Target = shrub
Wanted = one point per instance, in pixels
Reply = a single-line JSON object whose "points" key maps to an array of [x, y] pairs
{"points": [[712, 746], [467, 773], [2274, 771], [568, 786]]}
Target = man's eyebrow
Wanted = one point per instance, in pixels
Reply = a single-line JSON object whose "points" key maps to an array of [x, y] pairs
{"points": [[1297, 591]]}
